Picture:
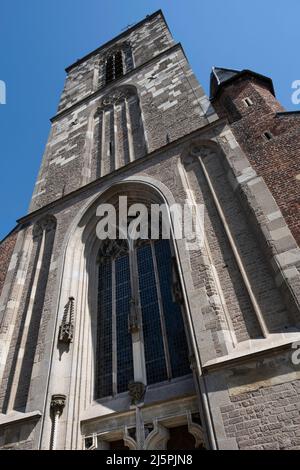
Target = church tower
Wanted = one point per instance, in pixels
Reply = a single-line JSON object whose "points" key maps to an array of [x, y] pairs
{"points": [[159, 343]]}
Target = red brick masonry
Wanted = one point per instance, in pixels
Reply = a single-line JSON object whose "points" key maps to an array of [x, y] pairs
{"points": [[276, 160]]}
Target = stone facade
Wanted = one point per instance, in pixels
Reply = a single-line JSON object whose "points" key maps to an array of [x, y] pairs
{"points": [[6, 250], [153, 135]]}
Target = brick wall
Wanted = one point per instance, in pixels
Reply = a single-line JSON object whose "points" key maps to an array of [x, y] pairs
{"points": [[276, 160], [265, 419], [233, 288]]}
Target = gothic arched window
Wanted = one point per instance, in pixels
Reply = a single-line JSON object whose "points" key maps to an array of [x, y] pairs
{"points": [[115, 63], [140, 329]]}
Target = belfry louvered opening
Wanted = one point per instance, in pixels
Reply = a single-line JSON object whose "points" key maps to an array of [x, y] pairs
{"points": [[114, 67]]}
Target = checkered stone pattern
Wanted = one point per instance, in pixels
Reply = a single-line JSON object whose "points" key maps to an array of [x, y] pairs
{"points": [[249, 380], [171, 102]]}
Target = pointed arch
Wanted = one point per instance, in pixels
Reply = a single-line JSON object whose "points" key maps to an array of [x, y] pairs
{"points": [[245, 312], [119, 132], [79, 274]]}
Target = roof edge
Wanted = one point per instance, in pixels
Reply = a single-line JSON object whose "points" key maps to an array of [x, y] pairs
{"points": [[213, 72], [287, 113], [116, 38], [242, 74], [15, 229]]}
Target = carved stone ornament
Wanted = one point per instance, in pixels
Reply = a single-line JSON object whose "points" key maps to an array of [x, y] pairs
{"points": [[112, 249], [189, 161], [58, 403], [116, 97], [66, 328], [137, 392], [124, 46], [202, 150], [46, 224], [133, 321]]}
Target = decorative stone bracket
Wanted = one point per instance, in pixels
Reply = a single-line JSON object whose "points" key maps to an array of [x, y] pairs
{"points": [[57, 405], [67, 324], [137, 392]]}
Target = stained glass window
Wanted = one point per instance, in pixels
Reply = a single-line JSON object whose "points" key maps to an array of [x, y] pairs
{"points": [[176, 338], [104, 332], [153, 339], [124, 344], [160, 317]]}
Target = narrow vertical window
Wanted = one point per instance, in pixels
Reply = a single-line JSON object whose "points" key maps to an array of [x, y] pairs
{"points": [[110, 69], [119, 72], [124, 345], [177, 344], [114, 347], [104, 333], [153, 338], [166, 349], [114, 67], [248, 102], [267, 136]]}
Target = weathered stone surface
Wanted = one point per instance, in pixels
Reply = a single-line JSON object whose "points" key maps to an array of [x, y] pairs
{"points": [[153, 135]]}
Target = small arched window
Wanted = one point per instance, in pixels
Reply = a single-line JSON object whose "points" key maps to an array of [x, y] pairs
{"points": [[140, 329]]}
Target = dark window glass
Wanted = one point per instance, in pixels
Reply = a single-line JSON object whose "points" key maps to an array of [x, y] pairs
{"points": [[104, 332], [118, 65], [178, 348], [268, 135], [153, 342], [114, 301], [110, 69], [114, 67], [124, 342], [118, 445], [180, 438]]}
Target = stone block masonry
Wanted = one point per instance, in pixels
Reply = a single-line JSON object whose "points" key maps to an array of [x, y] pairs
{"points": [[6, 250], [149, 132]]}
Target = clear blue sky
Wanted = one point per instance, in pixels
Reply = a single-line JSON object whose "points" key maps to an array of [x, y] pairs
{"points": [[39, 38]]}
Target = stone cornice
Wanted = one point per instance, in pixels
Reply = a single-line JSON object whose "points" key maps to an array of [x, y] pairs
{"points": [[288, 113], [268, 348], [17, 417], [117, 38]]}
